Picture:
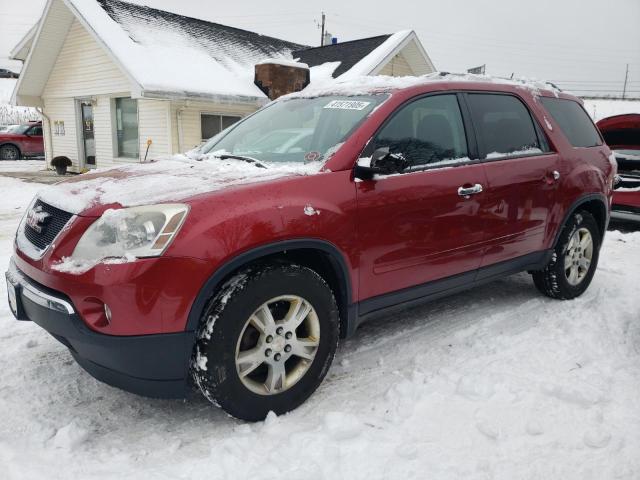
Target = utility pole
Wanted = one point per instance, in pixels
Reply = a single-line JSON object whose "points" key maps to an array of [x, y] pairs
{"points": [[626, 77], [322, 34]]}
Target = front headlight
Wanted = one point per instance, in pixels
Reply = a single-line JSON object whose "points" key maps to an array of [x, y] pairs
{"points": [[131, 232]]}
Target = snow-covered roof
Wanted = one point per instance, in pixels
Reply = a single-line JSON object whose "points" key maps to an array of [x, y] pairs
{"points": [[165, 52], [168, 55]]}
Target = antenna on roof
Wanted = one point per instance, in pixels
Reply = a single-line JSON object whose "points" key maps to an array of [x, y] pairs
{"points": [[322, 34]]}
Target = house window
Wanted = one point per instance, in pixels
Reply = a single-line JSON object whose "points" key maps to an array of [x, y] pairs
{"points": [[127, 127], [58, 128], [211, 125]]}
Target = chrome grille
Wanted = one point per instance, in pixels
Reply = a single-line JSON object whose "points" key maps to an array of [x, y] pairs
{"points": [[49, 228]]}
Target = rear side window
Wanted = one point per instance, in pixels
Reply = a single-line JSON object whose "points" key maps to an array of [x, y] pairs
{"points": [[427, 132], [504, 125], [574, 121]]}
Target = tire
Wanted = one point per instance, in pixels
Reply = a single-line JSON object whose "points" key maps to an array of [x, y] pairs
{"points": [[9, 152], [229, 335], [559, 279]]}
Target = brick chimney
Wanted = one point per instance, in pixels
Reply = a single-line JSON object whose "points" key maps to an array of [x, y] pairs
{"points": [[277, 77]]}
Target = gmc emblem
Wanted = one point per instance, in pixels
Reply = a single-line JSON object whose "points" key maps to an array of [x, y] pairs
{"points": [[36, 218]]}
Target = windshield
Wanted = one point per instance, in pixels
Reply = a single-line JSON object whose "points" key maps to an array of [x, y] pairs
{"points": [[295, 130], [19, 129]]}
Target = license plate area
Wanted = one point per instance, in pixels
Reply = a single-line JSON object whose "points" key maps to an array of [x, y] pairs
{"points": [[15, 301]]}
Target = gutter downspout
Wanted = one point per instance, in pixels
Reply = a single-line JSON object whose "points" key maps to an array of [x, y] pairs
{"points": [[48, 147], [180, 132]]}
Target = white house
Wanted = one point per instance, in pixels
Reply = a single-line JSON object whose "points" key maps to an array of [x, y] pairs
{"points": [[112, 79]]}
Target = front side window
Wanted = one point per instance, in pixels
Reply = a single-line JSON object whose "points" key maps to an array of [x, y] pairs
{"points": [[127, 127], [504, 125], [295, 130], [574, 121], [36, 131], [211, 125], [428, 131]]}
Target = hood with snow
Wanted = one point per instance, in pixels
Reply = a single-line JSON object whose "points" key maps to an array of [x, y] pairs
{"points": [[166, 180]]}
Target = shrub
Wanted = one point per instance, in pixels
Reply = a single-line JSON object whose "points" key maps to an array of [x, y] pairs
{"points": [[61, 162]]}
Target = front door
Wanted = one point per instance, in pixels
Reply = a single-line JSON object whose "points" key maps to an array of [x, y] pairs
{"points": [[88, 140], [415, 227], [522, 176]]}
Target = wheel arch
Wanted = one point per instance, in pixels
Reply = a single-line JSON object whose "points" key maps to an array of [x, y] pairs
{"points": [[596, 205], [319, 255]]}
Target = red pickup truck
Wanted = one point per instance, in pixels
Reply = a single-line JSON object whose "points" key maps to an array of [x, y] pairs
{"points": [[622, 134], [22, 141]]}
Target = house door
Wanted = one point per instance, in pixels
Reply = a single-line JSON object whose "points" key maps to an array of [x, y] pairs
{"points": [[88, 141]]}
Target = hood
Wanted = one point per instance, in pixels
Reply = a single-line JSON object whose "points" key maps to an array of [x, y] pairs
{"points": [[168, 180], [621, 131]]}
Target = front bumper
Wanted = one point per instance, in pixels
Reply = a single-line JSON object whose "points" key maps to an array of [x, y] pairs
{"points": [[622, 213], [154, 365]]}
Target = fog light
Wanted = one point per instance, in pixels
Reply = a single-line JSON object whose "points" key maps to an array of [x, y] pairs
{"points": [[107, 312]]}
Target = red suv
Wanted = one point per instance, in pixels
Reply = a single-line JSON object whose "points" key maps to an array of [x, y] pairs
{"points": [[240, 265], [22, 141]]}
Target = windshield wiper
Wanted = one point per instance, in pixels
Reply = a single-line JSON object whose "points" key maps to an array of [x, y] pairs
{"points": [[255, 161]]}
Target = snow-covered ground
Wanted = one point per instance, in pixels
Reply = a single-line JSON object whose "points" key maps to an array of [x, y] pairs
{"points": [[494, 383], [22, 165]]}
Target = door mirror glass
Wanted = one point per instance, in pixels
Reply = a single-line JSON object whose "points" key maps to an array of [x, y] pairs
{"points": [[382, 162]]}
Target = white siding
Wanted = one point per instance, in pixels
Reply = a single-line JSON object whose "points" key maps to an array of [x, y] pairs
{"points": [[190, 119], [397, 67], [63, 109], [102, 131], [153, 117], [84, 69]]}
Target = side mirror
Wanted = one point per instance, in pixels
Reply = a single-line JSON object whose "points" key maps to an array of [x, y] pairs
{"points": [[382, 162]]}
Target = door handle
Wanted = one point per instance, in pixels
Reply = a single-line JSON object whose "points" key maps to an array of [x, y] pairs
{"points": [[551, 177], [468, 191]]}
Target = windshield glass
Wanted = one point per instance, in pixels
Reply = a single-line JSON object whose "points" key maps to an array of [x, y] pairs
{"points": [[19, 129], [295, 130]]}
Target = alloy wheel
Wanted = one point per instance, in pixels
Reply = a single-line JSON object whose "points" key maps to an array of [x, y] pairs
{"points": [[578, 257], [277, 345]]}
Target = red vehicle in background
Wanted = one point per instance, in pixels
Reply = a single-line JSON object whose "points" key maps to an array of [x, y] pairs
{"points": [[622, 134], [22, 141]]}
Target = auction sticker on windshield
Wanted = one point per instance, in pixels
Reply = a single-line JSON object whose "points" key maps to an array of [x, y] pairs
{"points": [[347, 104]]}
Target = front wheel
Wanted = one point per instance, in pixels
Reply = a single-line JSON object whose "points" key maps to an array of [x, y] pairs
{"points": [[574, 260], [266, 340], [9, 152]]}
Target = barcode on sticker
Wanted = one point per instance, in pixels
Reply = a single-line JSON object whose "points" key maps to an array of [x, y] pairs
{"points": [[347, 104]]}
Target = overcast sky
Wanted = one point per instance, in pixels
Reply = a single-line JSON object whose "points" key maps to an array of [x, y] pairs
{"points": [[581, 44]]}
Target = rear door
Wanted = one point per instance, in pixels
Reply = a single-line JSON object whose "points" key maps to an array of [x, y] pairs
{"points": [[522, 175], [414, 227]]}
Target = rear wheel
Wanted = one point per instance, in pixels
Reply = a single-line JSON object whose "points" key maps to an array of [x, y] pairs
{"points": [[266, 340], [9, 152], [574, 261]]}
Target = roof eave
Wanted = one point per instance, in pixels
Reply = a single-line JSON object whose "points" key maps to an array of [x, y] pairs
{"points": [[201, 96], [398, 48], [15, 96], [22, 48]]}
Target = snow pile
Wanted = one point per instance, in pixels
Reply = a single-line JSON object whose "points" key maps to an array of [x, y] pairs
{"points": [[526, 151], [171, 179]]}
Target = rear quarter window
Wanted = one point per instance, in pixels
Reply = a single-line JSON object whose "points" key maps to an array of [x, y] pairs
{"points": [[574, 122]]}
